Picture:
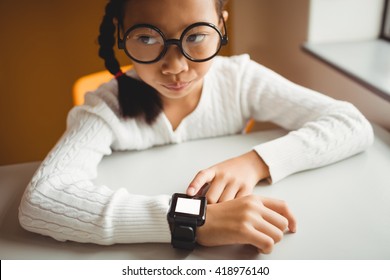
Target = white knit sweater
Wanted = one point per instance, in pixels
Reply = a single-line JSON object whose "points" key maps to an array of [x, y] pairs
{"points": [[62, 201]]}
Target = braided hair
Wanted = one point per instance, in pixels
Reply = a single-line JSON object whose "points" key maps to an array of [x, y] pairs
{"points": [[136, 98]]}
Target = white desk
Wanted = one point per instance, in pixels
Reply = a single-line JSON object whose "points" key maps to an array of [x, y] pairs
{"points": [[343, 210]]}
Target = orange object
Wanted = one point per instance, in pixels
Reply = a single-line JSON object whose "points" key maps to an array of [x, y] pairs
{"points": [[91, 82], [249, 126]]}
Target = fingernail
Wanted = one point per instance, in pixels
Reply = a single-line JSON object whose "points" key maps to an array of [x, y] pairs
{"points": [[191, 191], [293, 230]]}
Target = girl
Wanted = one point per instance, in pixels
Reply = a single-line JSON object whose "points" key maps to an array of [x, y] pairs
{"points": [[178, 90]]}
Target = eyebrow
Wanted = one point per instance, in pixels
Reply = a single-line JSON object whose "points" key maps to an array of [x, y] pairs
{"points": [[163, 30]]}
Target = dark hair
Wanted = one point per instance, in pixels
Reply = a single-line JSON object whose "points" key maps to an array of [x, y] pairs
{"points": [[136, 98]]}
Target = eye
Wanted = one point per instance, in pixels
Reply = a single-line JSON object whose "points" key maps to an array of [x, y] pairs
{"points": [[196, 38], [147, 40]]}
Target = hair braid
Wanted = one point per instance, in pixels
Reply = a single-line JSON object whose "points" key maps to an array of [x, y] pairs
{"points": [[106, 37], [136, 98]]}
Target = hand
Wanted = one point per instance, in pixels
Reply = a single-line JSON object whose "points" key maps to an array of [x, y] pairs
{"points": [[230, 179], [254, 220]]}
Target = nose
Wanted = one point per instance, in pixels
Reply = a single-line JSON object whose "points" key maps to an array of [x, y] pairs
{"points": [[174, 62]]}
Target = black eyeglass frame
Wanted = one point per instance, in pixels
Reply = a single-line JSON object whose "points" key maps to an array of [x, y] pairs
{"points": [[178, 42]]}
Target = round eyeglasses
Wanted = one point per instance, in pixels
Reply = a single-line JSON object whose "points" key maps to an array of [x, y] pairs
{"points": [[199, 42]]}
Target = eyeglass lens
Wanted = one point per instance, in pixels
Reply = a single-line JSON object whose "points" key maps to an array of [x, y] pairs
{"points": [[197, 43]]}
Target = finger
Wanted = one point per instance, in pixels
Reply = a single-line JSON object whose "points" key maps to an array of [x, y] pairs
{"points": [[243, 192], [263, 242], [275, 218], [281, 207], [203, 190], [270, 228], [229, 193], [203, 177], [216, 189]]}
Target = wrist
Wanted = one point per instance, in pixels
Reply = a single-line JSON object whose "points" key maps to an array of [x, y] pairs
{"points": [[204, 233], [261, 168], [185, 216]]}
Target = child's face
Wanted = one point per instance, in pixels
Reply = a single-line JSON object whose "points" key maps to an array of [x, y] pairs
{"points": [[174, 76]]}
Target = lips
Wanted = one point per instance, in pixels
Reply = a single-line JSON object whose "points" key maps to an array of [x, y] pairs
{"points": [[177, 86]]}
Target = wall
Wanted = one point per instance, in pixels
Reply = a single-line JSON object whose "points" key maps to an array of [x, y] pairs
{"points": [[338, 21], [45, 46], [272, 32]]}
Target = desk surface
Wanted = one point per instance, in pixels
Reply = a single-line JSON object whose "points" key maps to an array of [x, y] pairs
{"points": [[343, 210]]}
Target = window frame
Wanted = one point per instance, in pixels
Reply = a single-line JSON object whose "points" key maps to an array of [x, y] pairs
{"points": [[385, 32]]}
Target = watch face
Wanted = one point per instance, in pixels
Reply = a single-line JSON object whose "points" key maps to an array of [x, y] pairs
{"points": [[188, 206]]}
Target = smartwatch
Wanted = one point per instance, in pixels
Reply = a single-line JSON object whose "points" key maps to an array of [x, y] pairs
{"points": [[186, 213]]}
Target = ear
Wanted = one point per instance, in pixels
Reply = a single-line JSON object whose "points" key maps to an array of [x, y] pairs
{"points": [[225, 15]]}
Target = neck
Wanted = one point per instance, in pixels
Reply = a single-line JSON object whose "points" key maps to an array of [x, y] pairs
{"points": [[177, 109]]}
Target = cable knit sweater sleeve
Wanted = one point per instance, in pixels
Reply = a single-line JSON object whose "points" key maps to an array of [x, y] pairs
{"points": [[62, 201], [323, 130]]}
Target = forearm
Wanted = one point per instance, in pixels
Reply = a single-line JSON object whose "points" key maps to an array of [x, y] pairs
{"points": [[63, 202], [260, 167], [82, 212], [323, 130], [337, 134]]}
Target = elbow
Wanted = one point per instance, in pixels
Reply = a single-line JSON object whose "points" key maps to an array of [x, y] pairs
{"points": [[38, 213], [25, 220], [365, 129], [369, 132], [32, 216], [361, 127]]}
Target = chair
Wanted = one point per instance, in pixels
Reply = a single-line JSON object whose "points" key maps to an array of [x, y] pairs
{"points": [[91, 82]]}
